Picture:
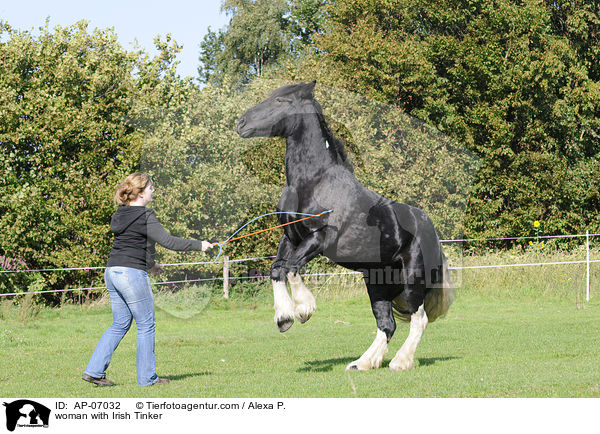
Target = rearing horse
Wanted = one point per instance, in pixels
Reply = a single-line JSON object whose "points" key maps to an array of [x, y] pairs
{"points": [[394, 245]]}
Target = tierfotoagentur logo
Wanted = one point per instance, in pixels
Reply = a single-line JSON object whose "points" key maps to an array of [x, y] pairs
{"points": [[26, 414]]}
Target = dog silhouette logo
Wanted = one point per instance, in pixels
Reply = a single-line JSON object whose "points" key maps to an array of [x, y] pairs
{"points": [[26, 413]]}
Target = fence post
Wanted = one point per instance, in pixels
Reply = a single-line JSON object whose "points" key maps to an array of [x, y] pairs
{"points": [[226, 276], [587, 263]]}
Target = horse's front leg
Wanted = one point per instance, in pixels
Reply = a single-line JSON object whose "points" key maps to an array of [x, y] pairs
{"points": [[290, 259], [282, 302], [304, 300]]}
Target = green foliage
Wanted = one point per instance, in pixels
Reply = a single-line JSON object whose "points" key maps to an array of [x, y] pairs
{"points": [[579, 22], [307, 18], [67, 100], [210, 49], [63, 142], [210, 181], [260, 35], [205, 176], [513, 81], [255, 37]]}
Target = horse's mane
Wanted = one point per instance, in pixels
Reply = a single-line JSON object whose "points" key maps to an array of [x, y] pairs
{"points": [[287, 89], [305, 90], [335, 145]]}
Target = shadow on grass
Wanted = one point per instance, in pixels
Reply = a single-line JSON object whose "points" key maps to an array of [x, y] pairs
{"points": [[183, 376], [428, 361], [325, 365], [329, 364]]}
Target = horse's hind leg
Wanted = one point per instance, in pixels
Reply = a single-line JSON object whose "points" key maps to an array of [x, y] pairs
{"points": [[305, 302], [381, 305], [405, 357], [373, 357]]}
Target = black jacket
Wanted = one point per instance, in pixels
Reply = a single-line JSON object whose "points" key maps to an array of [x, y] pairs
{"points": [[136, 230]]}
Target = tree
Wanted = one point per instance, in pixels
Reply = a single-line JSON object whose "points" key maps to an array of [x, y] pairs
{"points": [[211, 49], [256, 36], [307, 19], [579, 22], [515, 82], [67, 139], [260, 34]]}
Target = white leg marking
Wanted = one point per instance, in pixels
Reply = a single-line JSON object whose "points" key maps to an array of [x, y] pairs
{"points": [[373, 357], [284, 306], [405, 357], [305, 302]]}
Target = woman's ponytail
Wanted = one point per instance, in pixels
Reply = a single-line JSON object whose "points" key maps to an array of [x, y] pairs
{"points": [[130, 189]]}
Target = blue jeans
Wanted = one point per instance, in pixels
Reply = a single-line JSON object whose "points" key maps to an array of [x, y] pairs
{"points": [[131, 298]]}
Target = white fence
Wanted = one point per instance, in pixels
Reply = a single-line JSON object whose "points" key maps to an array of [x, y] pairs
{"points": [[227, 262]]}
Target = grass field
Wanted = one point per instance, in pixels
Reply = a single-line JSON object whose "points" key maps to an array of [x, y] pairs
{"points": [[489, 345]]}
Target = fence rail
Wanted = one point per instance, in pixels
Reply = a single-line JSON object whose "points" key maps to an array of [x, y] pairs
{"points": [[227, 262]]}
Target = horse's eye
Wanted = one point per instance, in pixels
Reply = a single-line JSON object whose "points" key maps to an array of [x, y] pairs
{"points": [[281, 99]]}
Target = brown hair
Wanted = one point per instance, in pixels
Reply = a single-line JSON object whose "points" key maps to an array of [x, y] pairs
{"points": [[130, 189]]}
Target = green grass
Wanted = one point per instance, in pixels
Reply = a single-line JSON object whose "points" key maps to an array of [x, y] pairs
{"points": [[533, 282], [487, 346]]}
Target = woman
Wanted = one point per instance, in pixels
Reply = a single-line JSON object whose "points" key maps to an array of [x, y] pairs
{"points": [[136, 230]]}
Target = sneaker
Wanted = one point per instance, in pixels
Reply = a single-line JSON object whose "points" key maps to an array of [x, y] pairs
{"points": [[97, 381], [161, 381]]}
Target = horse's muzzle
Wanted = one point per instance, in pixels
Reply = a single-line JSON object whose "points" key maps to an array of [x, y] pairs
{"points": [[240, 125]]}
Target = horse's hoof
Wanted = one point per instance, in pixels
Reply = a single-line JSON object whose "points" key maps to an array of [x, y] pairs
{"points": [[304, 312], [358, 365], [401, 365], [285, 324], [304, 317]]}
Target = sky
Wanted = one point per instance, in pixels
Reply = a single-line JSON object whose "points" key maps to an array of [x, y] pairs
{"points": [[186, 21]]}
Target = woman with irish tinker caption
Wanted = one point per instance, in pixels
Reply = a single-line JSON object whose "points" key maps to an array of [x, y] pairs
{"points": [[136, 230]]}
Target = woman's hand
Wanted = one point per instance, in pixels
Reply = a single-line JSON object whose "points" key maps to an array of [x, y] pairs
{"points": [[157, 269], [206, 245]]}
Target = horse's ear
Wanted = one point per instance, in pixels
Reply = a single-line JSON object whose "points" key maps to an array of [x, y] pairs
{"points": [[308, 89]]}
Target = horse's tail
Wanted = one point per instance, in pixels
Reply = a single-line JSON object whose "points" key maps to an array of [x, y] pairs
{"points": [[439, 299]]}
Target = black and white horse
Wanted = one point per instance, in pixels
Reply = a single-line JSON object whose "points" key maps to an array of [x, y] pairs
{"points": [[394, 245]]}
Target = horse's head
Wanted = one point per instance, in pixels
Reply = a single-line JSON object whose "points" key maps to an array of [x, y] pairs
{"points": [[279, 114]]}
